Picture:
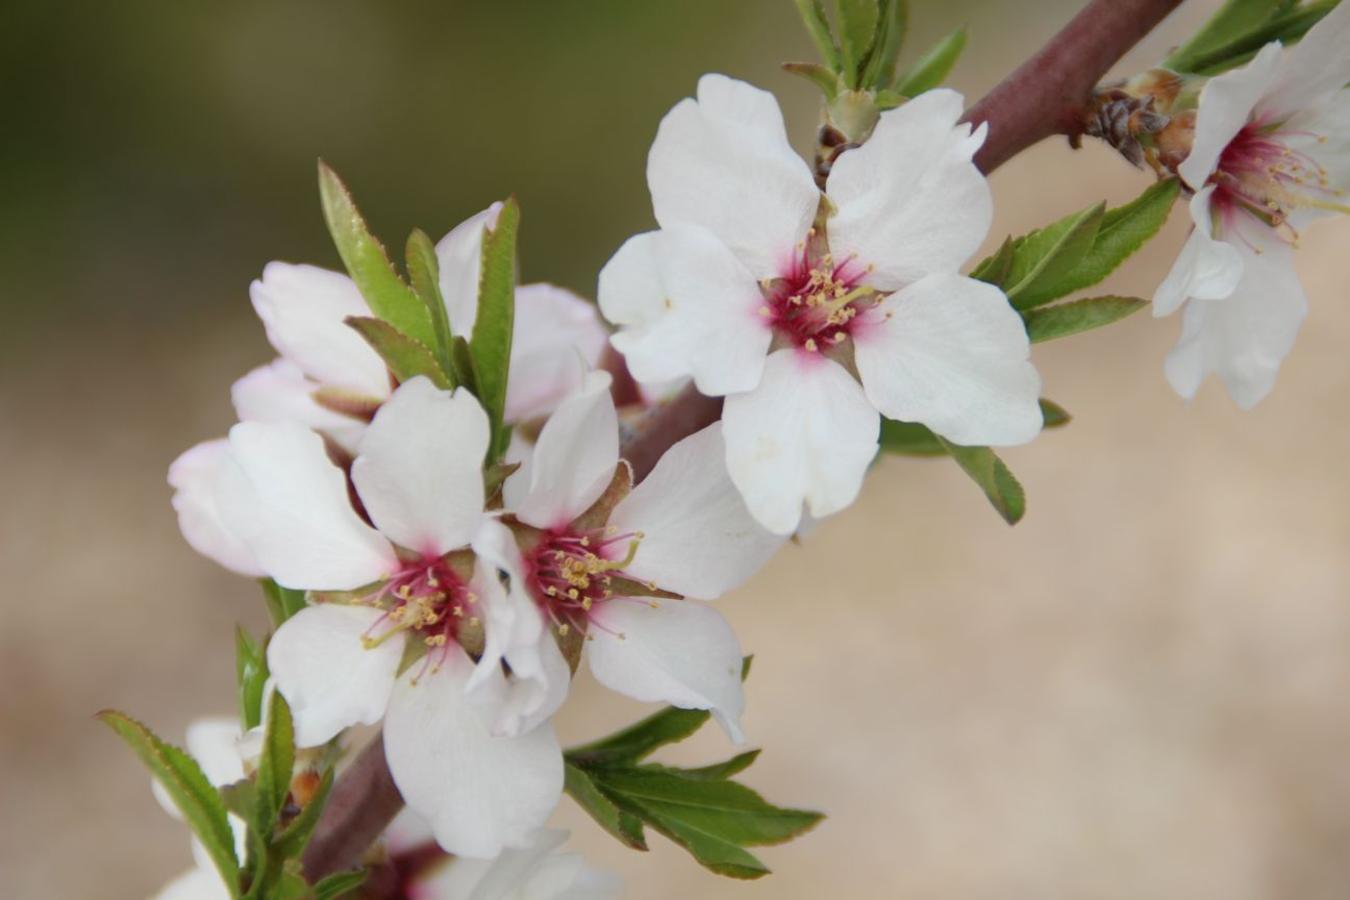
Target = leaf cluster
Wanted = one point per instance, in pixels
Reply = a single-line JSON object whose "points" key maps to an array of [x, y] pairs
{"points": [[1240, 28]]}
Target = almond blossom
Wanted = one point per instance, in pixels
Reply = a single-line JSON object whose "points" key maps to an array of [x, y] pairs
{"points": [[400, 575], [1270, 153], [610, 564], [815, 315]]}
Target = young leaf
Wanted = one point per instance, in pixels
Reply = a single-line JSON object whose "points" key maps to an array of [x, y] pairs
{"points": [[406, 357], [624, 826], [189, 789], [1064, 319], [717, 771], [1287, 29], [1054, 414], [931, 69], [250, 668], [857, 20], [988, 471], [1042, 258], [818, 27], [291, 843], [385, 292], [1233, 20], [339, 884], [893, 23], [491, 342], [996, 268], [275, 764], [669, 726], [1123, 231], [425, 272], [282, 603], [821, 76], [461, 359]]}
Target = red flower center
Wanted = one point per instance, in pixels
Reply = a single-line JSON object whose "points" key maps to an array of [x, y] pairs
{"points": [[570, 573], [817, 304]]}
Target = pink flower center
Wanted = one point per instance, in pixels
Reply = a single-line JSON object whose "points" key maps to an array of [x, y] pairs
{"points": [[426, 597], [570, 573], [817, 304], [1259, 173]]}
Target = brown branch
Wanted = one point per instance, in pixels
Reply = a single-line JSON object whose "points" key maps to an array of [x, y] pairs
{"points": [[1047, 95]]}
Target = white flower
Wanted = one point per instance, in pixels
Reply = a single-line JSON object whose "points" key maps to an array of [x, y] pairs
{"points": [[533, 872], [739, 291], [417, 476], [330, 379], [590, 562], [1271, 152], [214, 744]]}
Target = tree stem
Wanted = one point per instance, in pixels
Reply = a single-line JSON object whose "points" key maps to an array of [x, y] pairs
{"points": [[1048, 94]]}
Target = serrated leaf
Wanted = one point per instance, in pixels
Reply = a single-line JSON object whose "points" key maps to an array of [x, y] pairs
{"points": [[994, 269], [717, 771], [857, 23], [461, 358], [624, 826], [988, 471], [1044, 257], [405, 356], [893, 25], [931, 69], [291, 842], [189, 789], [1122, 232], [339, 884], [1064, 319], [712, 851], [1054, 414], [1287, 29], [282, 603], [385, 292], [818, 27], [490, 345], [1233, 20], [250, 668], [821, 76], [425, 273], [669, 726], [275, 764]]}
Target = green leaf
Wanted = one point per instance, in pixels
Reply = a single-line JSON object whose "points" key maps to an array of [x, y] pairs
{"points": [[406, 357], [1287, 29], [996, 268], [717, 771], [282, 603], [821, 76], [1122, 232], [1234, 19], [818, 27], [250, 668], [1054, 414], [291, 842], [491, 342], [857, 21], [189, 789], [275, 764], [988, 471], [425, 272], [891, 29], [385, 292], [1043, 258], [1064, 319], [669, 726], [338, 884], [931, 69], [461, 359], [624, 826]]}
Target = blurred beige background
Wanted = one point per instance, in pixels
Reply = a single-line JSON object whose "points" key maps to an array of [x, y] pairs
{"points": [[1139, 692]]}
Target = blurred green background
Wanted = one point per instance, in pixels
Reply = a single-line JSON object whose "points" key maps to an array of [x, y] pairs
{"points": [[1138, 692]]}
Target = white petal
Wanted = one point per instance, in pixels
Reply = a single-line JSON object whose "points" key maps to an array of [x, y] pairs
{"points": [[558, 338], [460, 256], [214, 743], [690, 309], [1314, 68], [909, 202], [326, 672], [193, 477], [806, 434], [680, 652], [280, 392], [723, 162], [195, 884], [303, 309], [954, 356], [574, 458], [565, 876], [288, 503], [1245, 337], [1226, 104], [699, 538], [420, 468], [481, 794], [407, 832], [1206, 269], [515, 632]]}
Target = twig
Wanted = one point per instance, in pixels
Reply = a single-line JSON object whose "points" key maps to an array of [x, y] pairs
{"points": [[1049, 94]]}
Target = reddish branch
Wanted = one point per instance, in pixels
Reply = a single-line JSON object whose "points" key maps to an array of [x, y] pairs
{"points": [[1048, 95]]}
